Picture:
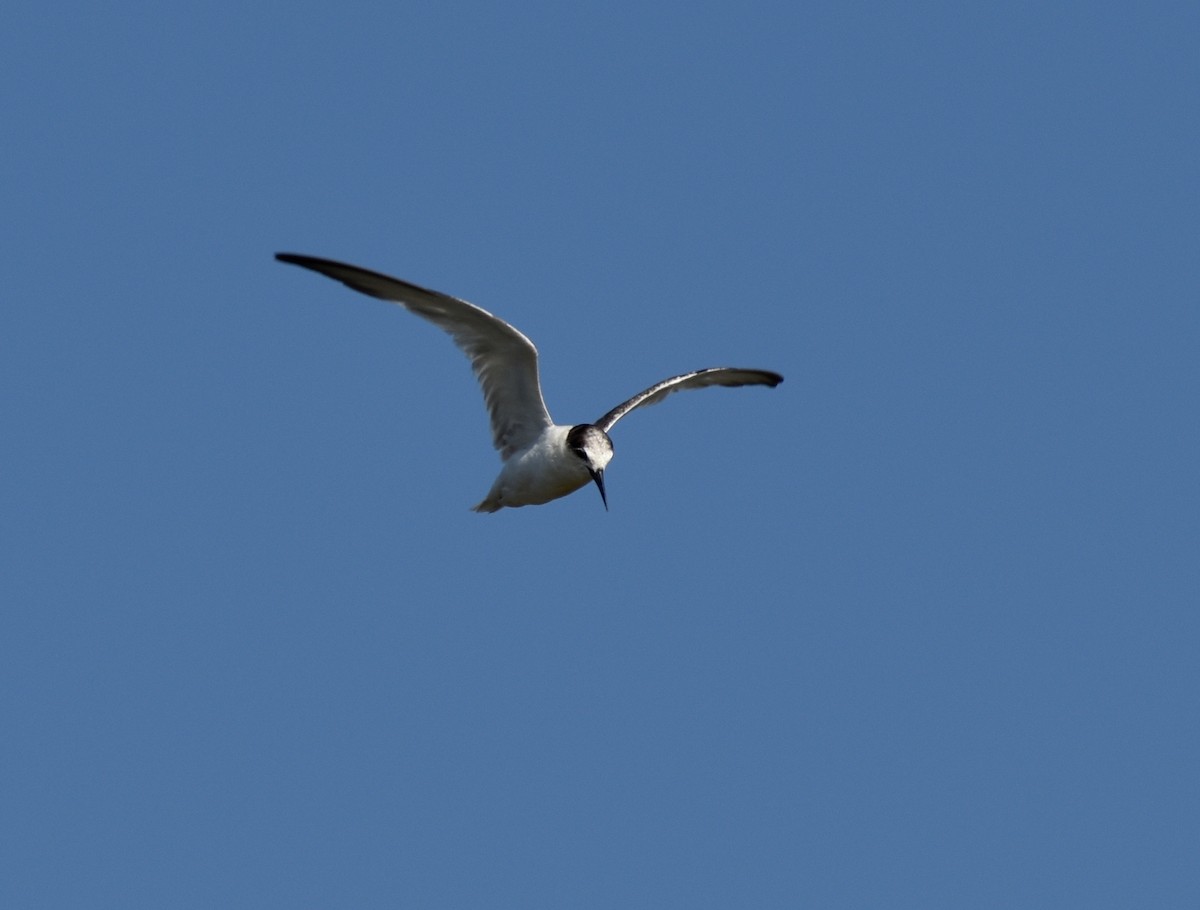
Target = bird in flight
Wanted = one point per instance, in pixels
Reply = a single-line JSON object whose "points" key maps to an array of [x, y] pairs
{"points": [[542, 460]]}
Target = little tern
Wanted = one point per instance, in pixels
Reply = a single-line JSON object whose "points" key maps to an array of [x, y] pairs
{"points": [[542, 460]]}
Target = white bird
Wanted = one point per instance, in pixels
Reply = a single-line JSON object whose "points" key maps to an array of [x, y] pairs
{"points": [[542, 460]]}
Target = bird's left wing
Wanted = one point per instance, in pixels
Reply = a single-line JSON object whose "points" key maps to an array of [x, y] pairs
{"points": [[727, 376]]}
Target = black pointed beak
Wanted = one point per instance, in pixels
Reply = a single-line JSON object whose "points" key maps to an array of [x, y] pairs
{"points": [[598, 476]]}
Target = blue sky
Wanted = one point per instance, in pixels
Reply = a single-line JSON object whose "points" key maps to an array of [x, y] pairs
{"points": [[918, 628]]}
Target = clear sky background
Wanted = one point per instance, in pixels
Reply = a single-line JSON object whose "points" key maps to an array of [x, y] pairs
{"points": [[916, 629]]}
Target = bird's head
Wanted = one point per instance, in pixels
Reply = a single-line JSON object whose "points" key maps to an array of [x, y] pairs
{"points": [[593, 447]]}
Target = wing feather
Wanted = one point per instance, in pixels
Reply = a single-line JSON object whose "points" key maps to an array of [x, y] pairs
{"points": [[504, 361], [699, 379]]}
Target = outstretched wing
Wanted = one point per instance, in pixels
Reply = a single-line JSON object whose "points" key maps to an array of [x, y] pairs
{"points": [[729, 376], [504, 360]]}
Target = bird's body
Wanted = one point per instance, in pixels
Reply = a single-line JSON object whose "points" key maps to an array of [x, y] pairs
{"points": [[546, 470], [542, 460]]}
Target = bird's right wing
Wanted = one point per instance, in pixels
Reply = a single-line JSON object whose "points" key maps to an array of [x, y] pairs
{"points": [[727, 376], [505, 361]]}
